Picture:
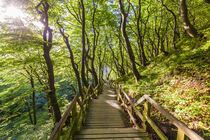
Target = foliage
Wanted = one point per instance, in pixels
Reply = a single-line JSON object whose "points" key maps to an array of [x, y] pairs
{"points": [[172, 65], [179, 83]]}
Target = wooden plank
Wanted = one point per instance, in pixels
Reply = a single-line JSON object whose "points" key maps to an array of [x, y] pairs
{"points": [[110, 130], [154, 126], [146, 112], [102, 116], [139, 114], [126, 96], [112, 136], [74, 125], [131, 117], [54, 135], [191, 134], [180, 135], [141, 117], [74, 112], [139, 101]]}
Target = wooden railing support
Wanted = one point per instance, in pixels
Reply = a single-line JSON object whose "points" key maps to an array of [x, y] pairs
{"points": [[145, 117], [146, 113], [74, 112], [180, 135], [77, 110]]}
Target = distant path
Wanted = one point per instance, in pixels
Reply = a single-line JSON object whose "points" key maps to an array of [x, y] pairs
{"points": [[105, 121]]}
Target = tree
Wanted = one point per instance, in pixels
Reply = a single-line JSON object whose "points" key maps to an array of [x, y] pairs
{"points": [[31, 78], [189, 28], [47, 45], [127, 42], [84, 55], [140, 31], [176, 34], [76, 71], [95, 40]]}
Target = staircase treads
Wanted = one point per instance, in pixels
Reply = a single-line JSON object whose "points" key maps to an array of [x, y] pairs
{"points": [[104, 121], [111, 135], [111, 115], [110, 130]]}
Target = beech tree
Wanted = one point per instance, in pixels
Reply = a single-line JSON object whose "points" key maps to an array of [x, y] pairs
{"points": [[186, 22], [47, 46], [127, 42]]}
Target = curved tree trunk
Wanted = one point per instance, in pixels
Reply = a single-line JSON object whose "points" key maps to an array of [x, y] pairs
{"points": [[95, 39], [186, 22], [47, 45], [127, 42], [84, 80], [76, 71]]}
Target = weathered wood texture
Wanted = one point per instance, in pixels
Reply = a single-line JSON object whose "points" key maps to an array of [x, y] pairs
{"points": [[74, 115], [145, 115], [105, 120]]}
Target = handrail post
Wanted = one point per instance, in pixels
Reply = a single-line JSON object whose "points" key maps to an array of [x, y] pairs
{"points": [[74, 112], [180, 135], [123, 97], [146, 112], [118, 92]]}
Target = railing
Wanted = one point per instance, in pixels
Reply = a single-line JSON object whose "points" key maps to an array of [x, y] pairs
{"points": [[74, 116], [130, 107]]}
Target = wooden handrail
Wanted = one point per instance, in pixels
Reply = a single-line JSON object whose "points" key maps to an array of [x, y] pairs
{"points": [[76, 116], [60, 124], [182, 128], [191, 134]]}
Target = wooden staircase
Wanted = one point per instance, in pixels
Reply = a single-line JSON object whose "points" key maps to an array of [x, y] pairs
{"points": [[105, 121]]}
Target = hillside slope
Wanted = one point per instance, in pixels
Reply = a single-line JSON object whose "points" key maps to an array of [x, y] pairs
{"points": [[180, 82]]}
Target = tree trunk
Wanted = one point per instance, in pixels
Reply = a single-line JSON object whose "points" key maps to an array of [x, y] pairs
{"points": [[128, 45], [140, 37], [33, 98], [45, 89], [29, 111], [76, 71], [121, 56], [176, 28], [115, 59], [84, 80], [186, 22], [30, 74], [51, 81], [47, 45], [95, 77]]}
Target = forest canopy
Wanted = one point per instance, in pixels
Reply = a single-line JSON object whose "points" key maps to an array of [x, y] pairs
{"points": [[51, 50]]}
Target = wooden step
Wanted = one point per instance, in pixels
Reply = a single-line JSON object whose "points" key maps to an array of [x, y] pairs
{"points": [[105, 121], [111, 133], [109, 130]]}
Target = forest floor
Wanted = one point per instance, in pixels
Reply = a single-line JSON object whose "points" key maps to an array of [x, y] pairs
{"points": [[179, 82]]}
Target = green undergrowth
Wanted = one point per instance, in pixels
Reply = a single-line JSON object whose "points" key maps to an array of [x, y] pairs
{"points": [[180, 82]]}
